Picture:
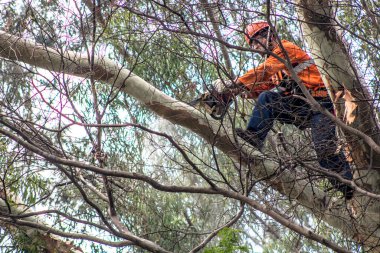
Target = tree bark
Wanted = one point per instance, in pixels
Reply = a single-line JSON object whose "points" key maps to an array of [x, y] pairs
{"points": [[287, 182]]}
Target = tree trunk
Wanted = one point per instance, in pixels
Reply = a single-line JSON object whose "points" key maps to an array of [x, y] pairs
{"points": [[328, 48], [287, 182]]}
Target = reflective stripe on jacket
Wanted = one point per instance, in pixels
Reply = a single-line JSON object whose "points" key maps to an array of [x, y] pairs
{"points": [[260, 78]]}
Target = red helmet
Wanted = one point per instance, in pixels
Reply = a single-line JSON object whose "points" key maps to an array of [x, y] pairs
{"points": [[252, 29]]}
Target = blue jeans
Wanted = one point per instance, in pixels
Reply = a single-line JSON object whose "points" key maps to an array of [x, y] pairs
{"points": [[290, 110]]}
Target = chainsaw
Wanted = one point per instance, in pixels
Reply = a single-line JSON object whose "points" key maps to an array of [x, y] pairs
{"points": [[216, 100]]}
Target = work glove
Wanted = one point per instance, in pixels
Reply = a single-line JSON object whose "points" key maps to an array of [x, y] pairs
{"points": [[222, 86]]}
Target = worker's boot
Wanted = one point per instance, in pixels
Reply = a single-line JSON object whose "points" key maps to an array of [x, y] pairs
{"points": [[250, 137]]}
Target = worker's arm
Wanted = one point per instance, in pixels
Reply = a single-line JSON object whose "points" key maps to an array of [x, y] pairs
{"points": [[259, 79], [239, 83]]}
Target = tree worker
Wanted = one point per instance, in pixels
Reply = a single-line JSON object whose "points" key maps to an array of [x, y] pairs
{"points": [[270, 83]]}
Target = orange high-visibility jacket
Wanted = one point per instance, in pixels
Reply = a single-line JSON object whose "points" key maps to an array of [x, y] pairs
{"points": [[262, 77]]}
